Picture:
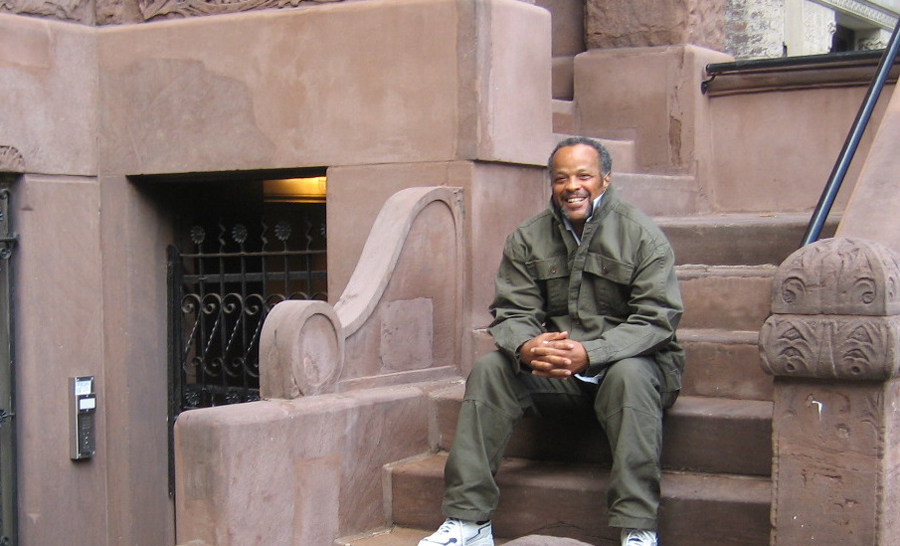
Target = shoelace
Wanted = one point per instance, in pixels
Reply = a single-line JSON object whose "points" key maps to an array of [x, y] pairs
{"points": [[638, 538], [447, 526]]}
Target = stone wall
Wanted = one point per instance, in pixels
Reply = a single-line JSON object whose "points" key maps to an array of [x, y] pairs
{"points": [[755, 28], [642, 23], [446, 92]]}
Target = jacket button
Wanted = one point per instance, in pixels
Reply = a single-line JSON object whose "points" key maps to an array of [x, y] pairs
{"points": [[553, 270]]}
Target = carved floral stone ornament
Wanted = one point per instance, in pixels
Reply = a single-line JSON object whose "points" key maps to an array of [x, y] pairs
{"points": [[11, 160], [151, 9], [66, 10], [839, 277], [836, 313]]}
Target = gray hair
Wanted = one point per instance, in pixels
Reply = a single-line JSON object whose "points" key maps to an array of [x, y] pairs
{"points": [[605, 159]]}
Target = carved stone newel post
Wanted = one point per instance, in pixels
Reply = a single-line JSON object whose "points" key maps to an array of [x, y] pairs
{"points": [[833, 345]]}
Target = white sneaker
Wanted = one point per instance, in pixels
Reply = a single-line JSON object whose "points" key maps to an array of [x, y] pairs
{"points": [[638, 537], [460, 533]]}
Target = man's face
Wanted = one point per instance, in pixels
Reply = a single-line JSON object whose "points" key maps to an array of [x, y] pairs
{"points": [[576, 182]]}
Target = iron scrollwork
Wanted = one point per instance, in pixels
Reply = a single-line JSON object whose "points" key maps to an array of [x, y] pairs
{"points": [[224, 297], [8, 240]]}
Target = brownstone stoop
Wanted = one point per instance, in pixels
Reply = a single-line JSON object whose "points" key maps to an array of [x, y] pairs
{"points": [[717, 454]]}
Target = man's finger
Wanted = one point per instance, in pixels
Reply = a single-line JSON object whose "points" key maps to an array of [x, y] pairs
{"points": [[561, 345], [556, 373]]}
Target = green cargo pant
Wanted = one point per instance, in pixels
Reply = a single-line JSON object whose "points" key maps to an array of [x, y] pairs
{"points": [[627, 403]]}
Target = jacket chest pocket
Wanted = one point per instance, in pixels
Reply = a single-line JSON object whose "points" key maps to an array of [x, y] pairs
{"points": [[611, 282], [553, 277]]}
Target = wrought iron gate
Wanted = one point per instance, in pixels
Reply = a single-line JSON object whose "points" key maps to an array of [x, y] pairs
{"points": [[220, 293]]}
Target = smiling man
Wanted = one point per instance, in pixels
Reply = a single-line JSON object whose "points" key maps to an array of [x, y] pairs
{"points": [[585, 310], [578, 181]]}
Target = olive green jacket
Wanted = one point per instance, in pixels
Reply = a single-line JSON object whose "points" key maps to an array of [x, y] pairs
{"points": [[616, 293]]}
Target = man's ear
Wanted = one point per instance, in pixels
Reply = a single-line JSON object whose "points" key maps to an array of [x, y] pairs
{"points": [[607, 178]]}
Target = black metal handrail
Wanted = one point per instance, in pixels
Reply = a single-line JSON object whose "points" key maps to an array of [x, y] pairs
{"points": [[785, 65], [799, 62], [833, 185]]}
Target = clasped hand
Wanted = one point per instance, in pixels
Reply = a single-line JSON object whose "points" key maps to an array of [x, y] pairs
{"points": [[554, 355]]}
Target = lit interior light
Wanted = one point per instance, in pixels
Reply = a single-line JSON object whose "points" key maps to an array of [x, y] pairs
{"points": [[296, 190]]}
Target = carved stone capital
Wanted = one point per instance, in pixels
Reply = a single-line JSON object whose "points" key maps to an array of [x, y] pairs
{"points": [[831, 347], [839, 277], [11, 160]]}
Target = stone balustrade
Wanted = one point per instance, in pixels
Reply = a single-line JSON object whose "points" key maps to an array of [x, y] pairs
{"points": [[398, 320]]}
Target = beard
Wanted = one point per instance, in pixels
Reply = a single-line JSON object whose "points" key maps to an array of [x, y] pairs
{"points": [[565, 213]]}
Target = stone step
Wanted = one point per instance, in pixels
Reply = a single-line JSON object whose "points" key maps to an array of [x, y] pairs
{"points": [[393, 536], [737, 239], [723, 364], [701, 434], [622, 151], [566, 499], [563, 116], [563, 84], [718, 435], [659, 195], [725, 297]]}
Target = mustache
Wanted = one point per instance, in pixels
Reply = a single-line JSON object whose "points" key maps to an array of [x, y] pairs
{"points": [[565, 213], [579, 193]]}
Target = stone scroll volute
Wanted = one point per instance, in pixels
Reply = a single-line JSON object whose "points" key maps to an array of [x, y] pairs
{"points": [[303, 350], [835, 313]]}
